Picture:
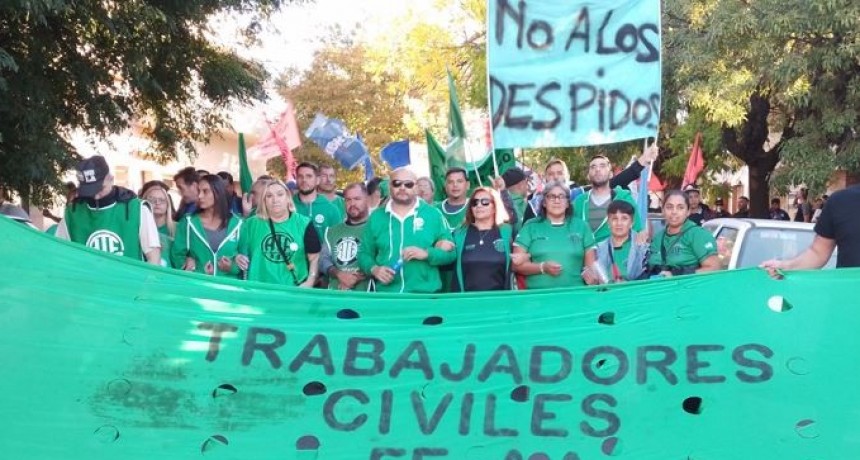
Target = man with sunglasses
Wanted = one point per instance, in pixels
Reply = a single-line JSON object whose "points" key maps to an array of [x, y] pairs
{"points": [[406, 241]]}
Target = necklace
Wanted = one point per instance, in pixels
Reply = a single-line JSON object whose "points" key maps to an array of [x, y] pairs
{"points": [[481, 235]]}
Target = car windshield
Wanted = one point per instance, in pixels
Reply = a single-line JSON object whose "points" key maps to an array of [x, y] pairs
{"points": [[761, 244]]}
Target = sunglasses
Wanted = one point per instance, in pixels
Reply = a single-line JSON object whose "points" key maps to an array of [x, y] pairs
{"points": [[403, 183], [481, 202]]}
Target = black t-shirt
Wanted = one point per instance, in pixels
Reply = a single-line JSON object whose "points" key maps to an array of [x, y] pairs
{"points": [[483, 264], [840, 221], [312, 241]]}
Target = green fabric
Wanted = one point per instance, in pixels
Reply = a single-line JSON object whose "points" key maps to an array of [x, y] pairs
{"points": [[620, 255], [340, 204], [267, 264], [565, 244], [191, 242], [687, 248], [321, 212], [52, 230], [520, 203], [385, 237], [110, 358], [581, 210], [246, 180], [343, 242], [454, 220], [437, 158], [114, 229], [460, 241]]}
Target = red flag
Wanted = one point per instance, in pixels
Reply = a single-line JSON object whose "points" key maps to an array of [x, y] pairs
{"points": [[696, 164], [280, 138]]}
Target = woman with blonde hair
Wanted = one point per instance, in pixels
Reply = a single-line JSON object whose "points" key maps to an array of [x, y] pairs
{"points": [[278, 245], [483, 245], [156, 194]]}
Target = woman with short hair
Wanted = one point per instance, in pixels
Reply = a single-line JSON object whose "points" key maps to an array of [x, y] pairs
{"points": [[682, 247]]}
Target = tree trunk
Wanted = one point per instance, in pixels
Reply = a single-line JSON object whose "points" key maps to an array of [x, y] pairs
{"points": [[759, 191]]}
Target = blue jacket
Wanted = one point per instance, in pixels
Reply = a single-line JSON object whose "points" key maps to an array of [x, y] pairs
{"points": [[637, 260]]}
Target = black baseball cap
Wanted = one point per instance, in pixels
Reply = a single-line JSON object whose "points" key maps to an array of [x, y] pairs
{"points": [[91, 176], [513, 176]]}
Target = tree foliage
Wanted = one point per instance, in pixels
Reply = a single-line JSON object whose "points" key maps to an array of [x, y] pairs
{"points": [[98, 65]]}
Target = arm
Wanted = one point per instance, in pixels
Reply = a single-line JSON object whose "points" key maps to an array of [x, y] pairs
{"points": [[150, 242], [816, 256], [326, 262], [524, 266], [313, 247], [313, 272], [367, 249], [624, 178], [710, 264], [509, 206]]}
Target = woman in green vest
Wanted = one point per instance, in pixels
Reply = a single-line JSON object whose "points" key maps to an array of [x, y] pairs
{"points": [[155, 193], [278, 245], [208, 240], [558, 246], [483, 245], [682, 248]]}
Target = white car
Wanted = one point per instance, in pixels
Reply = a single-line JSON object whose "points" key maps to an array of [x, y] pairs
{"points": [[746, 243]]}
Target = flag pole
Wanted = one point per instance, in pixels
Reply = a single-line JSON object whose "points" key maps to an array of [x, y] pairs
{"points": [[490, 106]]}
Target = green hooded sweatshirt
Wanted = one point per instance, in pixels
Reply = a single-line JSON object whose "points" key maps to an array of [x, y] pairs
{"points": [[385, 237], [322, 213], [191, 242], [601, 233]]}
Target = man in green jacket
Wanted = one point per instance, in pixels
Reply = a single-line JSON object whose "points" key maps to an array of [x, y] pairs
{"points": [[592, 205], [328, 188], [453, 207], [310, 203], [406, 241]]}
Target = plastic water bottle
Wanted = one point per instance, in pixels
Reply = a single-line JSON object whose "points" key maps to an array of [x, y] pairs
{"points": [[397, 265]]}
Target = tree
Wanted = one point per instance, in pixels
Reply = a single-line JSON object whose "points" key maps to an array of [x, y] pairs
{"points": [[781, 81], [340, 84], [96, 66]]}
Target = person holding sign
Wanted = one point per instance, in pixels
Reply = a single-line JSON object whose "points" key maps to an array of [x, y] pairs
{"points": [[591, 206], [620, 256], [279, 245], [558, 245], [483, 245], [406, 241], [454, 207], [206, 240], [682, 248]]}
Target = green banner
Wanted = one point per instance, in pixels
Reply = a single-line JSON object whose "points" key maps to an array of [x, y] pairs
{"points": [[105, 358]]}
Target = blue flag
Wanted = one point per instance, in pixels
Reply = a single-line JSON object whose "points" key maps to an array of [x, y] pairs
{"points": [[642, 204], [336, 141], [396, 154], [368, 169]]}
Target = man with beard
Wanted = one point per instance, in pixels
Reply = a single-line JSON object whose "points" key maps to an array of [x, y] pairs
{"points": [[699, 212], [319, 209], [743, 208], [453, 207], [592, 205], [405, 242], [328, 188], [342, 241], [109, 218], [186, 181]]}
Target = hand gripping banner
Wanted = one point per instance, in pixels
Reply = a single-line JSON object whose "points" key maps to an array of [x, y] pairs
{"points": [[105, 358]]}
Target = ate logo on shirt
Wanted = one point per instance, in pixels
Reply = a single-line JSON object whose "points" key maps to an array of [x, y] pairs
{"points": [[346, 250], [106, 241], [270, 248]]}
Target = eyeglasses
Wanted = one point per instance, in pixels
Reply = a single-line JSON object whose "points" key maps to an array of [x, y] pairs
{"points": [[481, 202], [555, 197], [403, 183], [157, 200]]}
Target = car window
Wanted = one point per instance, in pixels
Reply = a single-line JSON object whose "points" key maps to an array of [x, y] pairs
{"points": [[726, 239], [761, 244]]}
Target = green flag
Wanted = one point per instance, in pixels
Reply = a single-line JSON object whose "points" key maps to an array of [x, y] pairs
{"points": [[436, 156], [245, 177]]}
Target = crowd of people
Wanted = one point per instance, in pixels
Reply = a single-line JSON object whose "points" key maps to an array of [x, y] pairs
{"points": [[389, 235]]}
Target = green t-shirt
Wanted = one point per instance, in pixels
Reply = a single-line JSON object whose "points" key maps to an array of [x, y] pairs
{"points": [[565, 244], [453, 219], [114, 229], [582, 209], [266, 263], [340, 204], [687, 248], [321, 212], [343, 241], [620, 256]]}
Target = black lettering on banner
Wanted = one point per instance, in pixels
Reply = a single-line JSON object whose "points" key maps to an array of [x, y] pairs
{"points": [[422, 452], [536, 364], [661, 365], [306, 356], [739, 356], [268, 348], [465, 426], [215, 339], [621, 38], [584, 35], [694, 364], [378, 453], [404, 362], [601, 49], [386, 414], [468, 365], [655, 104], [539, 415], [653, 54], [588, 364], [353, 354], [517, 122], [550, 124], [615, 124], [490, 421], [494, 365], [518, 16], [613, 423], [577, 104], [429, 426], [329, 407], [502, 110], [640, 104], [601, 109], [548, 35]]}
